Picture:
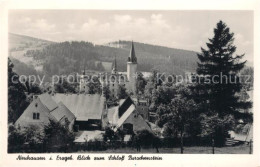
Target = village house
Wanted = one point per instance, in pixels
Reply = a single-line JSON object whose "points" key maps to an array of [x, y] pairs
{"points": [[126, 117], [84, 112], [42, 109]]}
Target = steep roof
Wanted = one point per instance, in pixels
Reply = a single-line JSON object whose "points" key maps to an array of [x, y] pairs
{"points": [[48, 101], [138, 122], [62, 112], [127, 107], [83, 106], [124, 106], [132, 58]]}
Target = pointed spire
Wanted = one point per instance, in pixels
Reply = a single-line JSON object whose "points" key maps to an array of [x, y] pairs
{"points": [[132, 58], [114, 68], [84, 68]]}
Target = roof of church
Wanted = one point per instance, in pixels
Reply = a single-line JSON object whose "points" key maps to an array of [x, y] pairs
{"points": [[132, 58]]}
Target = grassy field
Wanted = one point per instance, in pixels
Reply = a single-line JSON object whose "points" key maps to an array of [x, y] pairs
{"points": [[242, 149]]}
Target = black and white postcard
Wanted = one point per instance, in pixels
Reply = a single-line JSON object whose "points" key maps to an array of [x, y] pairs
{"points": [[102, 85]]}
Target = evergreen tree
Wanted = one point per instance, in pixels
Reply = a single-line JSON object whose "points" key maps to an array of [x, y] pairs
{"points": [[219, 80], [122, 92], [17, 99], [140, 84]]}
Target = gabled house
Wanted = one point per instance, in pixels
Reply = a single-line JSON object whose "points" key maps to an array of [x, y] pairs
{"points": [[126, 117], [81, 111], [41, 110]]}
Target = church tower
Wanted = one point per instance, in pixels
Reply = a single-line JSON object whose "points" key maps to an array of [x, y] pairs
{"points": [[114, 67], [114, 82], [132, 69]]}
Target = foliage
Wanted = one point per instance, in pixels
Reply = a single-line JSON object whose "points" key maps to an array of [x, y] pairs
{"points": [[15, 139], [215, 126], [122, 92], [64, 57], [219, 94], [94, 86], [106, 91], [57, 137], [146, 138], [17, 99], [32, 87], [33, 134], [24, 69], [63, 86], [219, 61], [248, 80], [140, 83], [110, 135]]}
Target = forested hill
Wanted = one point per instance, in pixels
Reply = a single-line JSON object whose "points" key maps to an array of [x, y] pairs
{"points": [[20, 42], [160, 57], [68, 57]]}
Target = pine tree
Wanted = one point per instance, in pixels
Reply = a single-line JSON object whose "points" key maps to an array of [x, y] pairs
{"points": [[220, 83], [222, 68]]}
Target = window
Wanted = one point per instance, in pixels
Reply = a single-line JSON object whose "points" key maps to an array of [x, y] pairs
{"points": [[36, 115]]}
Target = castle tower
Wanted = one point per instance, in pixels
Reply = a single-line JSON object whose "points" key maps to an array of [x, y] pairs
{"points": [[132, 69]]}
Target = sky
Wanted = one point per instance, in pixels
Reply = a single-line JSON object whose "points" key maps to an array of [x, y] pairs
{"points": [[180, 29]]}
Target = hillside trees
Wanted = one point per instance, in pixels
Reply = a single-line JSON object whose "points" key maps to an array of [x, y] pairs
{"points": [[63, 86], [65, 57]]}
